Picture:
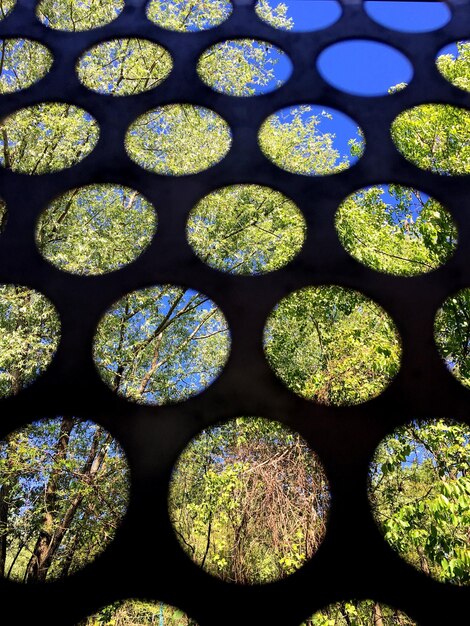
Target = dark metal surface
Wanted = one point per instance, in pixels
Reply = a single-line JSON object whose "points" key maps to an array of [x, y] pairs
{"points": [[145, 560]]}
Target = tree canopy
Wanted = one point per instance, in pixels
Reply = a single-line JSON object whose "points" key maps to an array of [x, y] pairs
{"points": [[246, 229], [161, 344], [333, 345], [95, 229], [396, 230]]}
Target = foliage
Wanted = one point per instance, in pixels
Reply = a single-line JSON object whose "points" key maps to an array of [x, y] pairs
{"points": [[64, 485], [6, 7], [95, 229], [173, 139], [333, 345], [248, 501], [274, 13], [246, 229], [78, 15], [188, 15], [138, 613], [22, 63], [456, 68], [46, 138], [241, 67], [123, 67], [396, 229], [434, 137], [359, 613], [452, 334], [420, 496], [29, 335], [294, 139], [161, 344]]}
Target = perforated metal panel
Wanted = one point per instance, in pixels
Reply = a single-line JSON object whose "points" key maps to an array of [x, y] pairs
{"points": [[145, 560]]}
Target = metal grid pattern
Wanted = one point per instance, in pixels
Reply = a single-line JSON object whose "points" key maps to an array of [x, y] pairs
{"points": [[145, 560]]}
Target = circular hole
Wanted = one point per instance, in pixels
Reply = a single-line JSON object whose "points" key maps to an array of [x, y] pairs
{"points": [[332, 345], [46, 138], [229, 495], [244, 67], [188, 17], [364, 68], [453, 62], [29, 336], [139, 613], [311, 140], [299, 15], [23, 63], [95, 229], [451, 334], [397, 230], [123, 67], [6, 7], [434, 137], [65, 484], [161, 345], [178, 139], [360, 612], [246, 229], [78, 15], [420, 496], [409, 17]]}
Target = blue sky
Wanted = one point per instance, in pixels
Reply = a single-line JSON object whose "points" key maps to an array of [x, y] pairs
{"points": [[363, 67]]}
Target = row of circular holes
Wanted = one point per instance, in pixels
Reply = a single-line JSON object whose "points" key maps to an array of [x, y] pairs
{"points": [[122, 214], [253, 431], [274, 138], [368, 59], [290, 332], [437, 15]]}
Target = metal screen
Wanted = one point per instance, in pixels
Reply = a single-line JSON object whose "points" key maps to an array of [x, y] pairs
{"points": [[145, 560]]}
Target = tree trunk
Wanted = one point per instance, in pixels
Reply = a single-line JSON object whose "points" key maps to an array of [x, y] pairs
{"points": [[4, 492], [378, 617], [52, 534], [39, 563]]}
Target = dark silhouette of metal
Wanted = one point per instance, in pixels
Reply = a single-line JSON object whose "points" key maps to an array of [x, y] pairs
{"points": [[145, 561]]}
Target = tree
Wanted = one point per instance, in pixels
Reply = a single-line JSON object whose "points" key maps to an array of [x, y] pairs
{"points": [[454, 67], [23, 62], [435, 137], [106, 227], [137, 613], [161, 344], [420, 496], [64, 485], [77, 16], [396, 229], [332, 345], [452, 335], [124, 66], [246, 229], [29, 337], [359, 613], [249, 501]]}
